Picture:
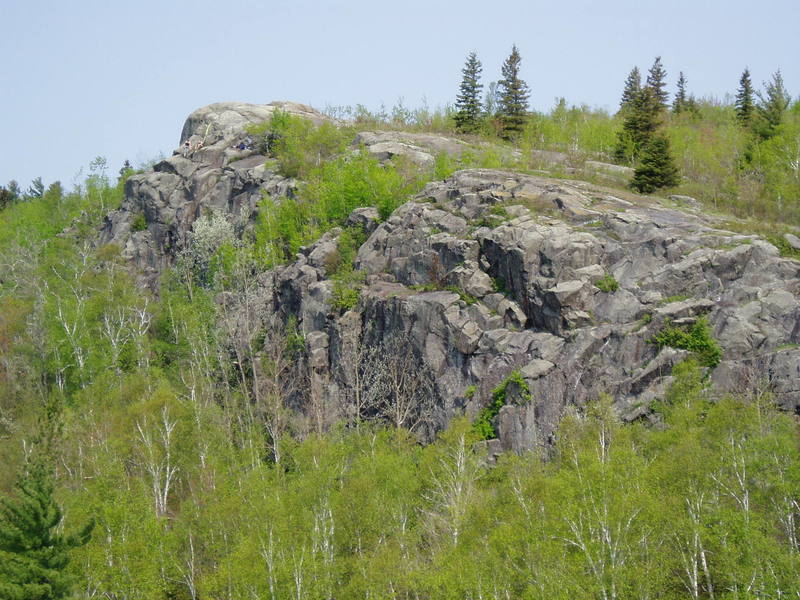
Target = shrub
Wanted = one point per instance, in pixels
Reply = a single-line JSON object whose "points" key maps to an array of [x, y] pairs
{"points": [[345, 296], [696, 339], [483, 425], [139, 223], [607, 284]]}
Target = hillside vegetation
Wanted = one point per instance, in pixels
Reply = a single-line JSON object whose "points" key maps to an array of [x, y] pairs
{"points": [[182, 444]]}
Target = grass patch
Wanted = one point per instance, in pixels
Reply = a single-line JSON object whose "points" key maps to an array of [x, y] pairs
{"points": [[607, 284]]}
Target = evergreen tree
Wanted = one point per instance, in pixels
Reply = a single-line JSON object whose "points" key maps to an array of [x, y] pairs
{"points": [[656, 81], [468, 101], [745, 104], [682, 101], [36, 189], [641, 121], [772, 106], [33, 553], [657, 168], [513, 96], [633, 85]]}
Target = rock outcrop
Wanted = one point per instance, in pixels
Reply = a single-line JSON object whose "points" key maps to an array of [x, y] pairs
{"points": [[491, 272], [220, 170]]}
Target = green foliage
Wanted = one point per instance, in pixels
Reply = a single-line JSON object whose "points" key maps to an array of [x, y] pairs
{"points": [[138, 223], [345, 295], [482, 425], [697, 339], [607, 284], [333, 191], [443, 166], [657, 168], [298, 145], [784, 247]]}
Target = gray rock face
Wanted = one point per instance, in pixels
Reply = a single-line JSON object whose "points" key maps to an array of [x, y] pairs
{"points": [[518, 291], [487, 273]]}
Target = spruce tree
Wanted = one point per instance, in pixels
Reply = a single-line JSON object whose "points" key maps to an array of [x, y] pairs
{"points": [[657, 168], [633, 85], [513, 96], [772, 106], [641, 121], [656, 81], [745, 103], [468, 101], [681, 102]]}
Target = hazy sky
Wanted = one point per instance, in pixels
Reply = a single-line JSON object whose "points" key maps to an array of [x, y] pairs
{"points": [[86, 78]]}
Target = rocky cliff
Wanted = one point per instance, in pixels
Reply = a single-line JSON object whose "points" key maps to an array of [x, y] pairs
{"points": [[484, 274]]}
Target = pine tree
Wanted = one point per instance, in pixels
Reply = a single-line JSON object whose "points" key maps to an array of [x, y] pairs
{"points": [[745, 103], [772, 106], [513, 96], [33, 553], [633, 85], [657, 168], [656, 81], [468, 101], [641, 121], [682, 101]]}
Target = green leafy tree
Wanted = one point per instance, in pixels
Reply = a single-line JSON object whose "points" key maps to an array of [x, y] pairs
{"points": [[33, 553], [772, 106], [656, 81], [468, 101], [745, 102], [657, 168], [513, 96], [633, 85]]}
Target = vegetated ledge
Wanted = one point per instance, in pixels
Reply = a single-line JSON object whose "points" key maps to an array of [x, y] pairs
{"points": [[506, 268]]}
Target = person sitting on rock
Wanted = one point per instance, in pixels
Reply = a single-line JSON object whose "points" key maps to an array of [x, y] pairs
{"points": [[187, 149]]}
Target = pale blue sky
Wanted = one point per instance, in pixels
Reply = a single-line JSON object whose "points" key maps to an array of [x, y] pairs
{"points": [[117, 79]]}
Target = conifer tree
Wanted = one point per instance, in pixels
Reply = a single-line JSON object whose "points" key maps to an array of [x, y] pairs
{"points": [[772, 106], [633, 85], [745, 103], [468, 101], [34, 554], [681, 102], [657, 168], [513, 96], [656, 81], [641, 121]]}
